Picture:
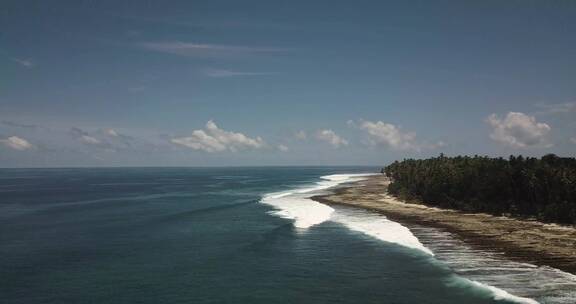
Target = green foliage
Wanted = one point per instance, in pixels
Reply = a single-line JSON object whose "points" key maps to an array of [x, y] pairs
{"points": [[523, 187]]}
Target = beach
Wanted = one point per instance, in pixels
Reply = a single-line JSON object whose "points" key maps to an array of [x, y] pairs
{"points": [[527, 241]]}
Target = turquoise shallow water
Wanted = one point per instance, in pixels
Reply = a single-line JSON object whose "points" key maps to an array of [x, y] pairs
{"points": [[190, 235]]}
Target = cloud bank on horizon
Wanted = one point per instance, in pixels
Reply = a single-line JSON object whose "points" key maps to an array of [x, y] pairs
{"points": [[518, 131], [193, 84]]}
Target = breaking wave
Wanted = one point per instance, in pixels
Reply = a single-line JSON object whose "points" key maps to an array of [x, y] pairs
{"points": [[296, 205]]}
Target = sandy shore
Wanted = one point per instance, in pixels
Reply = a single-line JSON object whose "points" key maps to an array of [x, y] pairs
{"points": [[522, 240]]}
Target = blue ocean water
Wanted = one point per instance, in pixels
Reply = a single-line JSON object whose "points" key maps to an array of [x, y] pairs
{"points": [[209, 235]]}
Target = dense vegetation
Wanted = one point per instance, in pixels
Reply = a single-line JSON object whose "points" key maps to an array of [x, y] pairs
{"points": [[522, 187]]}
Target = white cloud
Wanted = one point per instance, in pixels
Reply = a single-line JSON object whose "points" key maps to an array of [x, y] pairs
{"points": [[17, 143], [89, 140], [84, 137], [115, 137], [219, 73], [573, 140], [111, 132], [214, 139], [203, 49], [392, 136], [118, 140], [283, 148], [301, 135], [332, 138], [27, 63], [519, 130], [381, 133]]}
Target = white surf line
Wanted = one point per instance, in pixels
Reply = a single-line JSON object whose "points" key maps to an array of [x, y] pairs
{"points": [[542, 283], [500, 294], [296, 204], [379, 227]]}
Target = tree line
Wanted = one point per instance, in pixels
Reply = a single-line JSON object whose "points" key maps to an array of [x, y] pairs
{"points": [[524, 187]]}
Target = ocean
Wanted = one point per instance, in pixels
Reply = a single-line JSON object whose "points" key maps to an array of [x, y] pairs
{"points": [[234, 235]]}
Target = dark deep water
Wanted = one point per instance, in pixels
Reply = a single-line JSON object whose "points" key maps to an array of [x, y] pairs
{"points": [[192, 235]]}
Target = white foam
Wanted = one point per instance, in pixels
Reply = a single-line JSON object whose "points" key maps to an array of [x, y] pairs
{"points": [[492, 268], [297, 205], [500, 294], [379, 227], [305, 212]]}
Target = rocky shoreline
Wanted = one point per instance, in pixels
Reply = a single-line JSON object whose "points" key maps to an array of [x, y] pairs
{"points": [[523, 240]]}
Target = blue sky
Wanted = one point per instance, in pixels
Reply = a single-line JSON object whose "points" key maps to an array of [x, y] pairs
{"points": [[201, 83]]}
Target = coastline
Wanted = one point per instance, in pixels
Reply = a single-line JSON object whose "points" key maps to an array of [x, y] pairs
{"points": [[522, 240]]}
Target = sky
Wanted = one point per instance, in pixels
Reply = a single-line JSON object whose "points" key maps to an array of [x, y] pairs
{"points": [[248, 83]]}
